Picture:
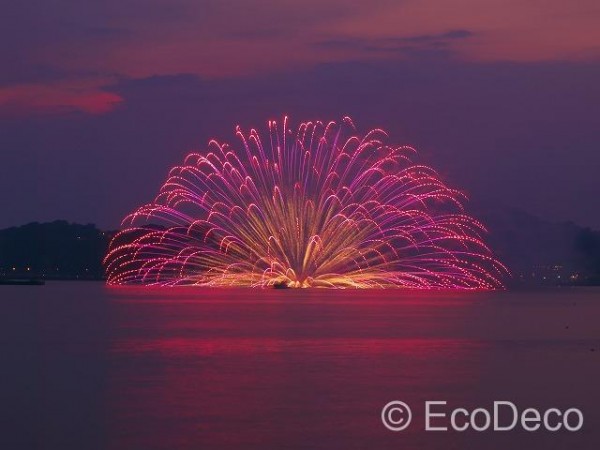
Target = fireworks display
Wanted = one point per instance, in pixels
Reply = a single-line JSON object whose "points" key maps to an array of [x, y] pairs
{"points": [[320, 206]]}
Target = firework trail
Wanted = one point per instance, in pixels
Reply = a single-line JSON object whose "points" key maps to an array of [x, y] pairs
{"points": [[321, 206]]}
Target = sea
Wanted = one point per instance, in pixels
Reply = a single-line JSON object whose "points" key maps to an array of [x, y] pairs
{"points": [[85, 366]]}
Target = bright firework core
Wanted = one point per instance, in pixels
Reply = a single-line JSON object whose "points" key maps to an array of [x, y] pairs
{"points": [[322, 206]]}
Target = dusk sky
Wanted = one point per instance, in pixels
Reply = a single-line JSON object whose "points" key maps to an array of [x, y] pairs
{"points": [[99, 99]]}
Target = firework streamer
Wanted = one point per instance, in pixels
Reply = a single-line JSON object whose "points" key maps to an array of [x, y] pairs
{"points": [[321, 206]]}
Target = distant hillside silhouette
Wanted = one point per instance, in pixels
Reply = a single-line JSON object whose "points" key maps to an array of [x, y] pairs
{"points": [[536, 251], [539, 251], [55, 250], [588, 246]]}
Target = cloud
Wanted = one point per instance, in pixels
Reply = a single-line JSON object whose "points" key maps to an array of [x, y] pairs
{"points": [[428, 38], [216, 39], [439, 44], [261, 33], [55, 98]]}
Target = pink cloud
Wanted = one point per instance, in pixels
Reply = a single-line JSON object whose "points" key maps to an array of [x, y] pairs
{"points": [[144, 38], [63, 97]]}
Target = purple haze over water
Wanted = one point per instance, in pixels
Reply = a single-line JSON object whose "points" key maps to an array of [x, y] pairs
{"points": [[85, 366]]}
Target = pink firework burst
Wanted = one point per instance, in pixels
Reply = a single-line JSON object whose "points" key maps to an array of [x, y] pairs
{"points": [[322, 206]]}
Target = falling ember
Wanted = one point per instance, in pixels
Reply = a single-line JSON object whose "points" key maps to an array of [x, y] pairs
{"points": [[323, 207]]}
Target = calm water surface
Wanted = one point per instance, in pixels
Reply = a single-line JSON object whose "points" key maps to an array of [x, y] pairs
{"points": [[84, 366]]}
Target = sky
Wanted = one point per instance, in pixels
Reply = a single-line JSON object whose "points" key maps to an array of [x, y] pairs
{"points": [[99, 99]]}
